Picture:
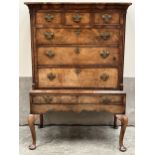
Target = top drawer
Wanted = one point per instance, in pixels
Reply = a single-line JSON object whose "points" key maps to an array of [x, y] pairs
{"points": [[107, 18], [76, 18], [48, 19]]}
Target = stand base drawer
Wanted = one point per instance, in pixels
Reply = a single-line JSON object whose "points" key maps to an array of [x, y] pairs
{"points": [[77, 100]]}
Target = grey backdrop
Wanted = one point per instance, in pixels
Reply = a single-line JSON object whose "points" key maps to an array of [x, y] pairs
{"points": [[84, 118]]}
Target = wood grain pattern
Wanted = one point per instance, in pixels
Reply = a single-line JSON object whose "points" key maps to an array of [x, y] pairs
{"points": [[40, 19], [115, 18], [77, 56], [70, 36], [76, 62], [101, 99], [76, 99], [36, 109], [87, 77], [84, 20]]}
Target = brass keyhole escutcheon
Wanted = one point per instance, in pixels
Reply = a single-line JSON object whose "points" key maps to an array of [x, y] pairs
{"points": [[114, 58], [77, 71], [78, 31], [77, 50]]}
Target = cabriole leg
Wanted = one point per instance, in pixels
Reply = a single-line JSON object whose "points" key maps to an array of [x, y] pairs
{"points": [[41, 121], [124, 123], [31, 120]]}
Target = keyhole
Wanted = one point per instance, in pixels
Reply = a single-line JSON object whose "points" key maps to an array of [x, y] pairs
{"points": [[114, 58]]}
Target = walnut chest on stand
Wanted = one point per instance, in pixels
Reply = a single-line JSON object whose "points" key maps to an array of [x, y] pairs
{"points": [[77, 60]]}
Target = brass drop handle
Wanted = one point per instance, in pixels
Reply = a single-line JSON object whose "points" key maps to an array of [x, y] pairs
{"points": [[104, 77], [49, 35], [104, 54], [106, 17], [48, 99], [105, 100], [105, 35], [50, 54], [77, 18], [51, 76], [49, 17]]}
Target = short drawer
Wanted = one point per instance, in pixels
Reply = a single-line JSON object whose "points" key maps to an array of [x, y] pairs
{"points": [[78, 36], [78, 55], [106, 18], [55, 99], [48, 19], [100, 99], [77, 19], [78, 77]]}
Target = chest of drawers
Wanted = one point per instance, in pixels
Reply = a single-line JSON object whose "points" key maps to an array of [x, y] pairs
{"points": [[77, 60]]}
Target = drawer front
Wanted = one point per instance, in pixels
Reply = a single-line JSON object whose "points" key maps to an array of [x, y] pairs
{"points": [[73, 19], [78, 77], [54, 99], [77, 99], [106, 18], [77, 36], [77, 56], [48, 19], [101, 99]]}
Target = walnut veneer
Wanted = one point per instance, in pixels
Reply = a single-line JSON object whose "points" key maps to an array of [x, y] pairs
{"points": [[77, 60]]}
